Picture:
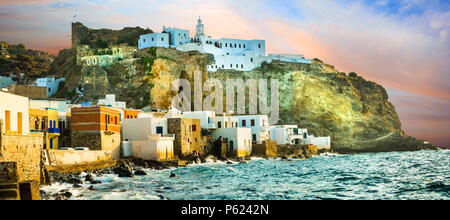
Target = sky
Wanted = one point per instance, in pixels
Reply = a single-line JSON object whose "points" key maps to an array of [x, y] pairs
{"points": [[403, 45]]}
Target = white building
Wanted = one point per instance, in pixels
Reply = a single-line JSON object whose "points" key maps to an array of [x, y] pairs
{"points": [[225, 121], [177, 36], [288, 134], [206, 118], [292, 135], [51, 84], [259, 125], [110, 101], [153, 40], [238, 140], [147, 138], [235, 54], [14, 112]]}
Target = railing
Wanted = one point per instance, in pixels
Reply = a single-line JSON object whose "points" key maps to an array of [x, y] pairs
{"points": [[54, 130]]}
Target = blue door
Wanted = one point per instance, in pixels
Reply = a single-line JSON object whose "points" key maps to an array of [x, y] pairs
{"points": [[159, 130], [51, 143]]}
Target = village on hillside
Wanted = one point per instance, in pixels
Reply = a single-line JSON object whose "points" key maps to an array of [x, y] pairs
{"points": [[39, 134]]}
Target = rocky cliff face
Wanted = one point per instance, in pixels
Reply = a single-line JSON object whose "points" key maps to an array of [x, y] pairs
{"points": [[354, 112]]}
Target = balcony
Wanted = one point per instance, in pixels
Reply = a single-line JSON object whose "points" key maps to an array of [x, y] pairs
{"points": [[54, 130]]}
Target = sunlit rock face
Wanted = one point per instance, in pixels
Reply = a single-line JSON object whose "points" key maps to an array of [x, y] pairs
{"points": [[354, 112]]}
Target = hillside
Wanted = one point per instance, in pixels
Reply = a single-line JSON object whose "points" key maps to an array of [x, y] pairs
{"points": [[102, 38], [22, 63]]}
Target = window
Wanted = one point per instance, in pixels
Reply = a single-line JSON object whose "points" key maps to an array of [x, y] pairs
{"points": [[226, 44], [162, 38], [252, 122], [115, 120], [144, 40], [259, 45], [153, 39], [231, 65], [235, 45], [237, 65], [242, 66], [254, 138], [244, 123], [226, 124], [223, 66], [194, 128], [159, 130], [239, 45], [219, 124], [231, 145], [244, 46], [251, 60]]}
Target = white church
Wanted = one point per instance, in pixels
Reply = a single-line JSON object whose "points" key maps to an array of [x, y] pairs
{"points": [[236, 54]]}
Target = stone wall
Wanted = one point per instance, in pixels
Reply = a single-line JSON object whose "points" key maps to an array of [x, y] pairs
{"points": [[97, 140], [26, 151], [72, 160], [187, 141], [299, 151], [266, 149]]}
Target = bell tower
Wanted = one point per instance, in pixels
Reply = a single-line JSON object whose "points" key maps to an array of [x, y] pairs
{"points": [[200, 28]]}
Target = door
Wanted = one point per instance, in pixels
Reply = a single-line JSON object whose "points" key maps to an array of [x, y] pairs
{"points": [[159, 130], [51, 143]]}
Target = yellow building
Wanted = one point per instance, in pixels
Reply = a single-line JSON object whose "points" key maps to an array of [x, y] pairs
{"points": [[45, 121]]}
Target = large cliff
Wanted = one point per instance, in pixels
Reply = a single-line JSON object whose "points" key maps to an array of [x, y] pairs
{"points": [[356, 113]]}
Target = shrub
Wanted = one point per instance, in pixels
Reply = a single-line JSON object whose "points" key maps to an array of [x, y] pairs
{"points": [[353, 75]]}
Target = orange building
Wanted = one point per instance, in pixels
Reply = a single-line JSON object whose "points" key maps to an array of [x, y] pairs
{"points": [[131, 113], [97, 128]]}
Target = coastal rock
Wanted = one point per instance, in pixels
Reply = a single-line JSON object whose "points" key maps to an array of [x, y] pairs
{"points": [[76, 186], [172, 175], [91, 179], [123, 172], [140, 173], [75, 181], [91, 188]]}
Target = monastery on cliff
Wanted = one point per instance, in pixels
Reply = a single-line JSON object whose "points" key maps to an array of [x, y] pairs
{"points": [[236, 54]]}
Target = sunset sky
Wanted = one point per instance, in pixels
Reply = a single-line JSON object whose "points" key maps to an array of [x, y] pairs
{"points": [[403, 45]]}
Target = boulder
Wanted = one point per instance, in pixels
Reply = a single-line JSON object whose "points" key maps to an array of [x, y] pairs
{"points": [[123, 172], [140, 173], [75, 181]]}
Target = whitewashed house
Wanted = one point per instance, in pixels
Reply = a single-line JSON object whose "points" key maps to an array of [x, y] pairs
{"points": [[51, 84], [239, 141], [226, 121], [153, 40], [292, 135], [14, 112], [207, 118], [110, 101], [147, 138], [259, 125]]}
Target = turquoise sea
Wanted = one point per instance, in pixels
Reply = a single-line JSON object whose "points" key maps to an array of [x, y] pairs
{"points": [[381, 176]]}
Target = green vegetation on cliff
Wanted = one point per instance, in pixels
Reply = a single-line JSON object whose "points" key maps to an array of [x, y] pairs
{"points": [[18, 59]]}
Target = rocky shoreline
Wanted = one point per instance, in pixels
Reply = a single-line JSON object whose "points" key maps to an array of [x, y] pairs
{"points": [[132, 167]]}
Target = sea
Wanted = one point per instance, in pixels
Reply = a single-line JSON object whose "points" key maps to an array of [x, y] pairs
{"points": [[421, 175]]}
